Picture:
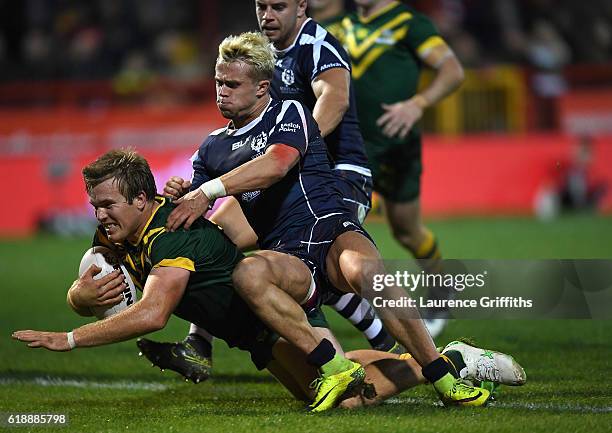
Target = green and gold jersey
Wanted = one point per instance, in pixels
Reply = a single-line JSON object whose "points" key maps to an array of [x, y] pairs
{"points": [[384, 49], [210, 300], [334, 26]]}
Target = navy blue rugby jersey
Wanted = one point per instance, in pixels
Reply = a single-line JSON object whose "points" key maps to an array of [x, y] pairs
{"points": [[308, 191], [314, 51]]}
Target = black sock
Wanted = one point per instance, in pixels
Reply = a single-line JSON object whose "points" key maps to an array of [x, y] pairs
{"points": [[455, 359], [435, 370], [200, 344], [321, 354]]}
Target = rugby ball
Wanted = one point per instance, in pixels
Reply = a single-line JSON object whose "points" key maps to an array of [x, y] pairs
{"points": [[106, 259]]}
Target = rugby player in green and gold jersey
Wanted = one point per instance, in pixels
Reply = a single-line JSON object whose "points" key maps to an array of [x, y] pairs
{"points": [[389, 43], [190, 273]]}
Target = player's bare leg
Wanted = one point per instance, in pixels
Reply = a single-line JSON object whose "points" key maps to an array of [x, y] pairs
{"points": [[290, 368], [408, 229], [258, 279], [386, 374], [352, 262]]}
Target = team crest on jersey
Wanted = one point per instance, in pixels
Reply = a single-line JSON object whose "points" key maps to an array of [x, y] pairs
{"points": [[288, 77], [259, 142]]}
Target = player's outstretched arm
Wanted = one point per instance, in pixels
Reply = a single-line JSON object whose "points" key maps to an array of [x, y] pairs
{"points": [[259, 173], [163, 291]]}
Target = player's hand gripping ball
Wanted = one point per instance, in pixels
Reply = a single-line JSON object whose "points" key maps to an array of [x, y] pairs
{"points": [[108, 261]]}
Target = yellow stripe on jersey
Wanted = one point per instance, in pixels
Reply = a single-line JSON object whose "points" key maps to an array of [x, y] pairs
{"points": [[357, 50], [179, 262], [359, 68], [133, 270], [155, 233], [431, 42], [161, 201], [134, 278]]}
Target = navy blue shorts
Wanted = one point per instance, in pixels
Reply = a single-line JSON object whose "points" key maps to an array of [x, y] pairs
{"points": [[311, 244], [356, 191]]}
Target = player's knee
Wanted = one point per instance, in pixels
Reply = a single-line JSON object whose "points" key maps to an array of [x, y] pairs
{"points": [[250, 276], [359, 270]]}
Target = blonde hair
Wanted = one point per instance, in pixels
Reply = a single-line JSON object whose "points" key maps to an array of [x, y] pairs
{"points": [[252, 48]]}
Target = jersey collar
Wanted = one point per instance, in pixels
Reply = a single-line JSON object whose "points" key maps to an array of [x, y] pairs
{"points": [[248, 126], [161, 201]]}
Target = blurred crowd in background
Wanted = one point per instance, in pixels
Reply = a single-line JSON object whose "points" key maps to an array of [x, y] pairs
{"points": [[132, 40], [81, 76]]}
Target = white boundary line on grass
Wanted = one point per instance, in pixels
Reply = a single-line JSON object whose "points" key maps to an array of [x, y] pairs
{"points": [[156, 386], [76, 383], [516, 405]]}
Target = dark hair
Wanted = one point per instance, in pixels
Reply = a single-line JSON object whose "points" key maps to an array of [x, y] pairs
{"points": [[130, 171]]}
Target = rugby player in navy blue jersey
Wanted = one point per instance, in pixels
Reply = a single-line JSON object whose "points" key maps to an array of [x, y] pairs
{"points": [[312, 68], [272, 159]]}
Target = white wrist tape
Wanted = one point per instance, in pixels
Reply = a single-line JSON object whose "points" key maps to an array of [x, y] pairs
{"points": [[71, 342], [213, 189]]}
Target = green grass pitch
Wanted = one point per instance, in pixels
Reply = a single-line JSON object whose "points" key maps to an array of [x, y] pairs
{"points": [[111, 389]]}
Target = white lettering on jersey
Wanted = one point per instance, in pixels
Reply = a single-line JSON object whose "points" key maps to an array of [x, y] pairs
{"points": [[289, 127]]}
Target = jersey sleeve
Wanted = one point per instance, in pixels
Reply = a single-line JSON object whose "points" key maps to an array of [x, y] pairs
{"points": [[173, 249], [422, 35], [327, 53], [291, 127], [200, 173]]}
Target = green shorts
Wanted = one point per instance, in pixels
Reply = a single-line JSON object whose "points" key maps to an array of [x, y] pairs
{"points": [[396, 170], [223, 313]]}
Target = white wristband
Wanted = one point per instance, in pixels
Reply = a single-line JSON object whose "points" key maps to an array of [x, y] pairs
{"points": [[71, 343], [213, 189]]}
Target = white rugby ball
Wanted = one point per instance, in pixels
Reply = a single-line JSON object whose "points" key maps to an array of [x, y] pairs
{"points": [[106, 259]]}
